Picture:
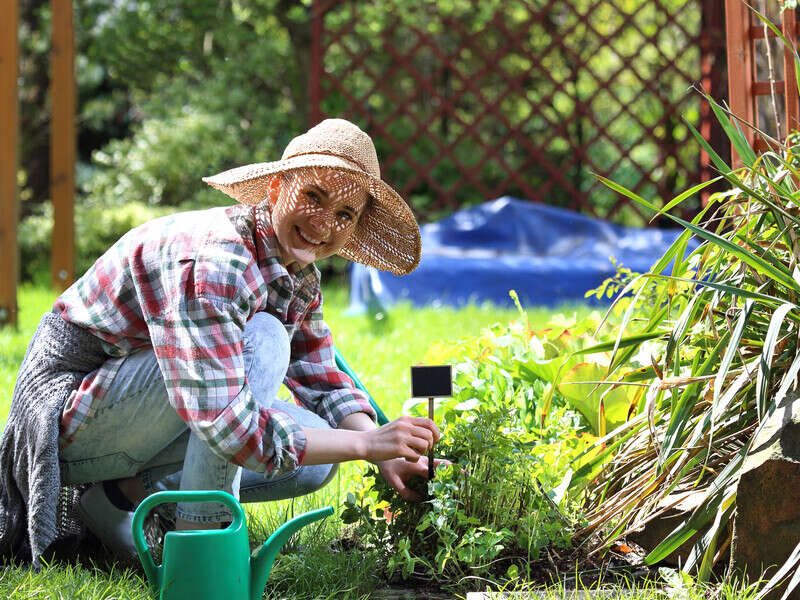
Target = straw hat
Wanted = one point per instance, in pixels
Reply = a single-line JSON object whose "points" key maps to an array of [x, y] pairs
{"points": [[387, 235]]}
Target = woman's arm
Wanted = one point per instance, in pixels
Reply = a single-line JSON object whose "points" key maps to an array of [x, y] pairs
{"points": [[359, 439], [398, 448]]}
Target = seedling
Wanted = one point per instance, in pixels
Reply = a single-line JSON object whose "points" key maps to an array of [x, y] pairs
{"points": [[431, 382]]}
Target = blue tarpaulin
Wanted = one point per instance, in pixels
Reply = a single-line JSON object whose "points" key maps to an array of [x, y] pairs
{"points": [[548, 255]]}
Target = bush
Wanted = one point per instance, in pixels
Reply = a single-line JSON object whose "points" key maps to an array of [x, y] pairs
{"points": [[503, 500], [163, 163], [96, 229]]}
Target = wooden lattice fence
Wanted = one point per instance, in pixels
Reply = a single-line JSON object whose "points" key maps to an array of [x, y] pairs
{"points": [[471, 100], [763, 89]]}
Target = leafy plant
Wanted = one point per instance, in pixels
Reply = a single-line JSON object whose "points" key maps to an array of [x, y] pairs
{"points": [[503, 499], [487, 514], [727, 355]]}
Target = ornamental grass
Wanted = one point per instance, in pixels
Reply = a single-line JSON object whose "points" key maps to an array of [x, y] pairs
{"points": [[721, 325]]}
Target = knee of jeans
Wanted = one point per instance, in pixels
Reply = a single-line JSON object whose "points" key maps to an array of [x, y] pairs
{"points": [[316, 477], [269, 343]]}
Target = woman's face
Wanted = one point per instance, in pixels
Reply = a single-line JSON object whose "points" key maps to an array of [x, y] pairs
{"points": [[314, 213]]}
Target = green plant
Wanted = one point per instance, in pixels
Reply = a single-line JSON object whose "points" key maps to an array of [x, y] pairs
{"points": [[97, 227], [726, 356], [487, 514], [503, 499]]}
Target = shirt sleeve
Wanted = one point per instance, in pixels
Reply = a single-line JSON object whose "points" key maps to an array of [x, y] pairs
{"points": [[198, 343], [313, 377]]}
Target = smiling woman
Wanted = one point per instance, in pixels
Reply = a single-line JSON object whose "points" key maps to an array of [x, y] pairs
{"points": [[314, 213], [159, 368]]}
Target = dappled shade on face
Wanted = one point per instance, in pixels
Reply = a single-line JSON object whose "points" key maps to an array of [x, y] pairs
{"points": [[315, 213]]}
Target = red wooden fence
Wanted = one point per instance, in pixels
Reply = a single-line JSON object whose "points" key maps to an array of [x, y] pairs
{"points": [[751, 91], [470, 103]]}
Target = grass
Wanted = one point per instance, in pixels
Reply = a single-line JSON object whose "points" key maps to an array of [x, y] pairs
{"points": [[380, 348]]}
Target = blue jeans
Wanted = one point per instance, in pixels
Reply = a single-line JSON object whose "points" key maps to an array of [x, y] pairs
{"points": [[135, 431]]}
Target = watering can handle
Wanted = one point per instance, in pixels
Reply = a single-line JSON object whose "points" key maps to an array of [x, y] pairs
{"points": [[154, 500]]}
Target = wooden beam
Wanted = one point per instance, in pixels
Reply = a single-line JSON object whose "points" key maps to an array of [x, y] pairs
{"points": [[9, 139], [315, 64], [62, 144], [740, 66], [789, 74]]}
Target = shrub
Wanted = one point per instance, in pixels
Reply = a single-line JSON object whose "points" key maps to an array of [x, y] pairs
{"points": [[503, 499], [726, 355], [163, 163], [96, 229]]}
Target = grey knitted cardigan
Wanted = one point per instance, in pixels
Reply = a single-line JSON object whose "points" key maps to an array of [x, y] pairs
{"points": [[58, 357]]}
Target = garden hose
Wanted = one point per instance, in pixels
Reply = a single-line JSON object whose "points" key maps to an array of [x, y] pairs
{"points": [[342, 364]]}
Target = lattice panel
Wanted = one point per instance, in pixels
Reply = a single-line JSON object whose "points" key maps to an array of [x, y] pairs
{"points": [[480, 99], [763, 89]]}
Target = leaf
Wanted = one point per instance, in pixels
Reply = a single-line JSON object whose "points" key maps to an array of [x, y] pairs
{"points": [[734, 133], [751, 259], [715, 158], [624, 342], [765, 360], [586, 397]]}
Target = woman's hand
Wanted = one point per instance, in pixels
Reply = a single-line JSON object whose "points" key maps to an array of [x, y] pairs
{"points": [[407, 437], [398, 471]]}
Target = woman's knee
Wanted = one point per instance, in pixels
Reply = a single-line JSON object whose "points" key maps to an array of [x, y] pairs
{"points": [[317, 477], [304, 480], [266, 353]]}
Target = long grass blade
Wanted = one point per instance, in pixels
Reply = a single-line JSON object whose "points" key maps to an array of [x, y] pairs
{"points": [[728, 289], [731, 351], [715, 158], [734, 133], [781, 275], [765, 361], [631, 340]]}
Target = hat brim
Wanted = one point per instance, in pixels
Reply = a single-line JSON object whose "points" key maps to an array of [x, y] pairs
{"points": [[387, 235]]}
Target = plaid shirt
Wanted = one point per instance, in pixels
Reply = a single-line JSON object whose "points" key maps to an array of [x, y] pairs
{"points": [[186, 285]]}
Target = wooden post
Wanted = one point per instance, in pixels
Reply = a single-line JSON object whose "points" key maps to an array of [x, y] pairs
{"points": [[9, 136], [789, 19], [431, 468], [62, 144], [315, 64], [740, 67]]}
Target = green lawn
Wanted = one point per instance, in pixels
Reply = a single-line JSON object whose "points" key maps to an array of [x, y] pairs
{"points": [[380, 349]]}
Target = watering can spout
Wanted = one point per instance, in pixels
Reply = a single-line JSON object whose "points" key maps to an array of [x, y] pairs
{"points": [[263, 558]]}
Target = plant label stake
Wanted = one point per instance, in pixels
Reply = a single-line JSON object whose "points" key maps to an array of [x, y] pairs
{"points": [[431, 382]]}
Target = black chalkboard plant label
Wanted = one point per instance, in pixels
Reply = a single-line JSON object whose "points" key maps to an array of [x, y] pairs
{"points": [[431, 382]]}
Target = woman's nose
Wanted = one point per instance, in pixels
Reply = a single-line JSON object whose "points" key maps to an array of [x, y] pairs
{"points": [[321, 222]]}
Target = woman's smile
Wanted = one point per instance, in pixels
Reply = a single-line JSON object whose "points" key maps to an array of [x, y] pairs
{"points": [[315, 214], [307, 238]]}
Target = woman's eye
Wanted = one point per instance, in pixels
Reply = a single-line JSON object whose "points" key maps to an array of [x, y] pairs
{"points": [[343, 214], [314, 197]]}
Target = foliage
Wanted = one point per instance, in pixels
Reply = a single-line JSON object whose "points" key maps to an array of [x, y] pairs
{"points": [[170, 92], [502, 500], [214, 87], [97, 227], [162, 162], [726, 358]]}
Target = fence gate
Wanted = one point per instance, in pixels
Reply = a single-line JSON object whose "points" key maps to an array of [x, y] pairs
{"points": [[468, 100]]}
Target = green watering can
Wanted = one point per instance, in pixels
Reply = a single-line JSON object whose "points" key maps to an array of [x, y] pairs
{"points": [[215, 563]]}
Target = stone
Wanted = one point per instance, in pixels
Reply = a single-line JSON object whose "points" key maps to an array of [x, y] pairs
{"points": [[677, 508], [767, 522]]}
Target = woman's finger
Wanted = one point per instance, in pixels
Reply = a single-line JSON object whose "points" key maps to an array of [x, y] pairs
{"points": [[426, 423], [424, 433]]}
